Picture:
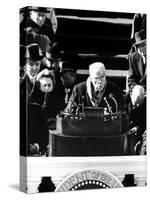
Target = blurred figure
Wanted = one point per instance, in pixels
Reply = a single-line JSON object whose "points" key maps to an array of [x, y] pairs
{"points": [[139, 23], [39, 25], [68, 77], [22, 60], [96, 91], [65, 81]]}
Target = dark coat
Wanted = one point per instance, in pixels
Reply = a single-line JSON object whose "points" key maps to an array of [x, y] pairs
{"points": [[137, 75], [45, 29], [49, 103], [60, 92], [137, 71], [33, 128], [26, 87], [79, 95]]}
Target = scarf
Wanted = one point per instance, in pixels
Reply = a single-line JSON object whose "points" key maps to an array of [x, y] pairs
{"points": [[94, 98]]}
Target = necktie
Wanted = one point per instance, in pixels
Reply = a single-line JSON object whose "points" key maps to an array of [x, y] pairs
{"points": [[97, 93], [67, 95], [44, 106]]}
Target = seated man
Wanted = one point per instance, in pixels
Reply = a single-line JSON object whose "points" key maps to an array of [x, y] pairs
{"points": [[96, 91]]}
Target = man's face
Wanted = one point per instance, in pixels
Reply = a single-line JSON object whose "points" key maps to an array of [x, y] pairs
{"points": [[33, 68], [38, 17], [69, 79], [99, 80], [46, 84]]}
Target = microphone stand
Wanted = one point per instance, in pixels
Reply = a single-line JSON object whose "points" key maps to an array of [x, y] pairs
{"points": [[116, 104], [108, 106]]}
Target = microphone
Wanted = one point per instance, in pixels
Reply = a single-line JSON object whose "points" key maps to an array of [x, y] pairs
{"points": [[82, 104], [111, 96], [108, 106]]}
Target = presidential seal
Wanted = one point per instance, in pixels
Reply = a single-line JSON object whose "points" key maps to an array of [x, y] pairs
{"points": [[89, 179]]}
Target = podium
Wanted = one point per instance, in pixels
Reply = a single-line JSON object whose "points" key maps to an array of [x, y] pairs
{"points": [[92, 135]]}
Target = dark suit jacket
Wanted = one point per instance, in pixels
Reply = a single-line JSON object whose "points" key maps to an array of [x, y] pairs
{"points": [[80, 95], [137, 71], [33, 128]]}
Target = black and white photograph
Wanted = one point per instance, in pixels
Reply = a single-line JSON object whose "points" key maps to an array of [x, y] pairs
{"points": [[82, 78], [74, 100]]}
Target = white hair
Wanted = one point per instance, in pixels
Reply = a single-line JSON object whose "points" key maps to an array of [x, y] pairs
{"points": [[97, 67]]}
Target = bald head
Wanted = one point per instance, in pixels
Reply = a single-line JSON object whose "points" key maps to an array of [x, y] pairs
{"points": [[98, 75]]}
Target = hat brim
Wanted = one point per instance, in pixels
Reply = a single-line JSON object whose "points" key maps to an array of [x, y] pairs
{"points": [[33, 8], [39, 9], [141, 43], [36, 59]]}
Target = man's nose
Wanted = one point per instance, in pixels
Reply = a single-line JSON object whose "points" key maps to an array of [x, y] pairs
{"points": [[99, 82], [34, 67], [46, 87]]}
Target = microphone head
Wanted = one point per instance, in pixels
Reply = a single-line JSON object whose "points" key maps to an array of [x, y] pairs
{"points": [[111, 95], [104, 98]]}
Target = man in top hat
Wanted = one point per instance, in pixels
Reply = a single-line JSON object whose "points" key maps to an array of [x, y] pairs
{"points": [[33, 128], [33, 65], [137, 82]]}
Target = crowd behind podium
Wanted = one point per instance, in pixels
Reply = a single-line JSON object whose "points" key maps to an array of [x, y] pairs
{"points": [[48, 84]]}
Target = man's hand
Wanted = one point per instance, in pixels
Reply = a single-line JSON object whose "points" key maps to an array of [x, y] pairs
{"points": [[34, 148], [138, 95]]}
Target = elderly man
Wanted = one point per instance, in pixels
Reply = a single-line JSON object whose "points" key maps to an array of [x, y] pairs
{"points": [[96, 91]]}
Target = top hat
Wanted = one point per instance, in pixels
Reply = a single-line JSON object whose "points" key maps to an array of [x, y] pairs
{"points": [[34, 8], [67, 67], [140, 37], [33, 52]]}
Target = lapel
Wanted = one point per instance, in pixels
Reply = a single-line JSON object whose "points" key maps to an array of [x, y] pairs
{"points": [[87, 101], [139, 68], [140, 64]]}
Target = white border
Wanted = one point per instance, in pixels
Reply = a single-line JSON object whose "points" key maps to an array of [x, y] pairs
{"points": [[9, 101]]}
